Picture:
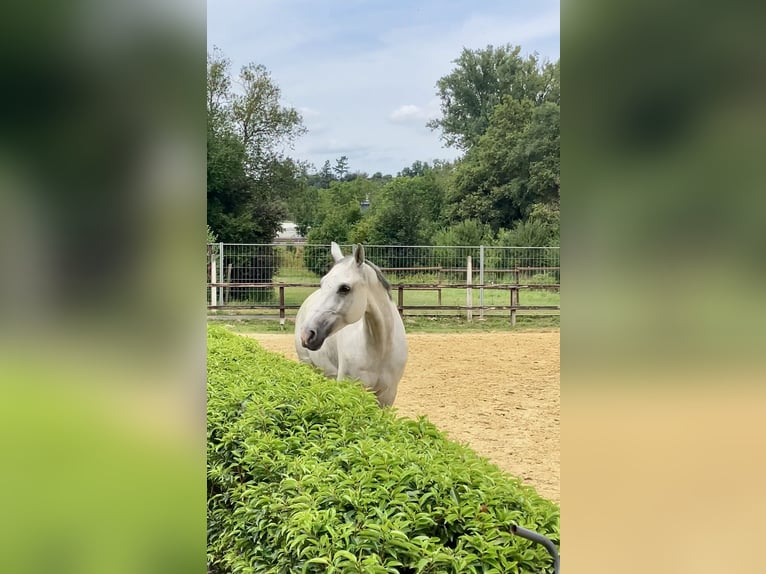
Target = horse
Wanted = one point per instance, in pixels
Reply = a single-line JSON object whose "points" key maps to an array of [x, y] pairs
{"points": [[351, 329]]}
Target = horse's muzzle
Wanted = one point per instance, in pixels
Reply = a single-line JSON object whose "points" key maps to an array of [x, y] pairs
{"points": [[310, 340]]}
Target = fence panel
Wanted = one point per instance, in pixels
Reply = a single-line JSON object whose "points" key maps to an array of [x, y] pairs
{"points": [[434, 276]]}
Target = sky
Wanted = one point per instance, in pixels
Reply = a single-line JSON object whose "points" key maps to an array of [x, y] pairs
{"points": [[363, 73]]}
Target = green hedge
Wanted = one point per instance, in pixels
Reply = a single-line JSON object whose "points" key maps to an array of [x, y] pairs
{"points": [[309, 475]]}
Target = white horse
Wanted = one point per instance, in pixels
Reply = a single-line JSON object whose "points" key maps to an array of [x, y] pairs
{"points": [[351, 329]]}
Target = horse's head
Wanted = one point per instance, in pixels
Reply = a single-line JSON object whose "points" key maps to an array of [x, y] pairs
{"points": [[341, 300]]}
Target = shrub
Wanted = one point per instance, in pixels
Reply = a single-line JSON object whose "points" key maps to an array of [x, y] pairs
{"points": [[317, 258], [253, 266], [309, 475], [525, 233], [466, 232]]}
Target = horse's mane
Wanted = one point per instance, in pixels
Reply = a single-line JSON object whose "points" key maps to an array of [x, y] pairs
{"points": [[379, 274], [381, 277]]}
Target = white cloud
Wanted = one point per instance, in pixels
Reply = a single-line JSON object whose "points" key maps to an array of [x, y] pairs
{"points": [[407, 113], [410, 113], [307, 112]]}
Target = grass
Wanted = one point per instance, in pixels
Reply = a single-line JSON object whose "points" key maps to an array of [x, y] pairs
{"points": [[411, 324], [296, 295]]}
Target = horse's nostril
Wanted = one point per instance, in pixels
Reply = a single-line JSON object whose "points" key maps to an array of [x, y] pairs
{"points": [[312, 335]]}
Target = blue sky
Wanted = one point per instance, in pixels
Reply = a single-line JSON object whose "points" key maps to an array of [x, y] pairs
{"points": [[363, 72]]}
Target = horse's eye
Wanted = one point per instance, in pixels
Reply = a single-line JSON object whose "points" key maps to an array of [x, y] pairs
{"points": [[343, 289]]}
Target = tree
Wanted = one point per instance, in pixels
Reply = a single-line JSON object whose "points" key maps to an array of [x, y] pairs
{"points": [[326, 175], [407, 211], [481, 80], [466, 232], [513, 166], [337, 212], [341, 167], [540, 229], [248, 178], [417, 168]]}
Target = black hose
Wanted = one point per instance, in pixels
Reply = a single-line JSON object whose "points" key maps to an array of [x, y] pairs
{"points": [[540, 539]]}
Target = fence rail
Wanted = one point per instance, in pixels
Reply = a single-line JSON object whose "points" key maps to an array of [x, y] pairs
{"points": [[265, 279]]}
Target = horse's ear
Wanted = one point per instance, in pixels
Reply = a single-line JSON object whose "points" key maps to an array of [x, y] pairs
{"points": [[359, 254], [337, 254]]}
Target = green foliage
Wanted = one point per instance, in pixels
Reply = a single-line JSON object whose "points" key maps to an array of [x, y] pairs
{"points": [[337, 211], [303, 203], [309, 475], [540, 229], [531, 233], [514, 165], [248, 180], [417, 168], [362, 231], [317, 258], [407, 211], [481, 80], [255, 267], [341, 167], [502, 109], [310, 205], [340, 207], [550, 215], [468, 232]]}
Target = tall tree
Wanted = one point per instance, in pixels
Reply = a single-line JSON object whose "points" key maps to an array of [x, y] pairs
{"points": [[481, 80], [249, 179], [513, 166], [417, 168], [337, 209], [341, 167]]}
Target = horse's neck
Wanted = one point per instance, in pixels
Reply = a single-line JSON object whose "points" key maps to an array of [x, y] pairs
{"points": [[377, 317]]}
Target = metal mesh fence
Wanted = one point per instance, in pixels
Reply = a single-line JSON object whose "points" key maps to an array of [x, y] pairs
{"points": [[300, 266]]}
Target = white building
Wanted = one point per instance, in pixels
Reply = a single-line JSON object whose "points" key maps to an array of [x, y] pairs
{"points": [[289, 234]]}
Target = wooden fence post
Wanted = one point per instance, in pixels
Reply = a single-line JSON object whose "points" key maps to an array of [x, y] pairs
{"points": [[401, 301], [514, 304], [282, 305]]}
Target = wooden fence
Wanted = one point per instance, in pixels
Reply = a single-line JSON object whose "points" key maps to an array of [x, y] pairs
{"points": [[468, 309]]}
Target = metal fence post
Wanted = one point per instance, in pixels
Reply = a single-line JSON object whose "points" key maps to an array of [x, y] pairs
{"points": [[221, 267], [469, 290], [481, 281], [213, 275]]}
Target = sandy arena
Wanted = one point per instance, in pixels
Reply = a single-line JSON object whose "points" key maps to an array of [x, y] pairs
{"points": [[497, 392]]}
